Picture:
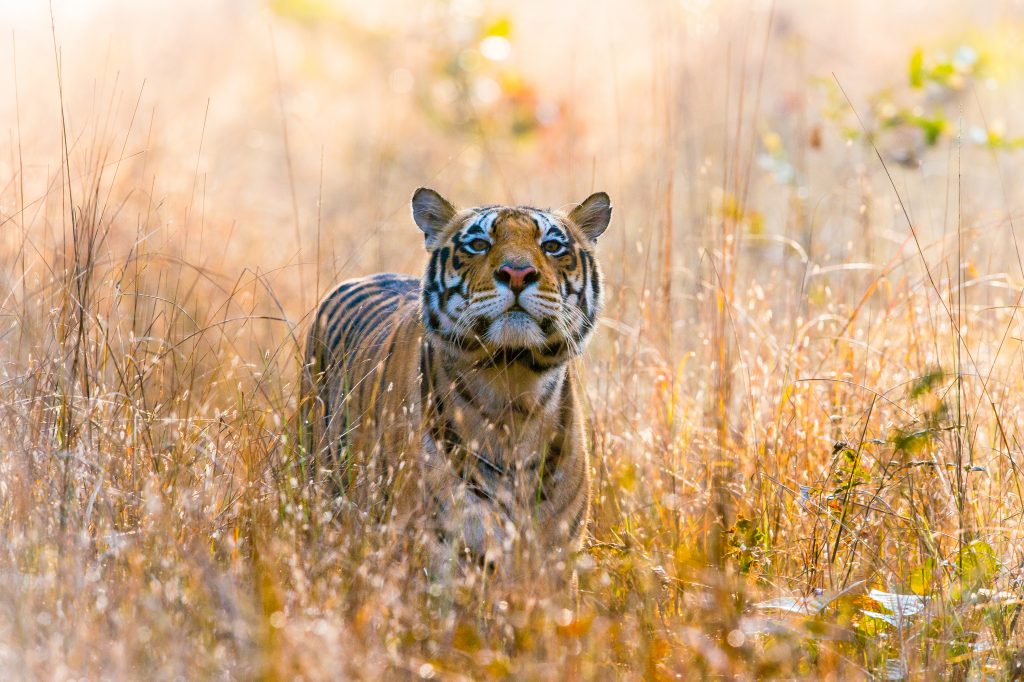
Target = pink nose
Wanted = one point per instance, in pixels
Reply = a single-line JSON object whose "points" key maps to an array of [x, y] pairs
{"points": [[517, 279]]}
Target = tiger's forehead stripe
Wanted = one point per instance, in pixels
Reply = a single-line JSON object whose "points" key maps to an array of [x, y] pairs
{"points": [[482, 222], [485, 217], [551, 227]]}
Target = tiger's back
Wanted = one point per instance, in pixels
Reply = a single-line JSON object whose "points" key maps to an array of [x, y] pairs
{"points": [[360, 372]]}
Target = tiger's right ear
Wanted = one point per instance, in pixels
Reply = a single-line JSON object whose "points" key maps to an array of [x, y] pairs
{"points": [[593, 215], [431, 211]]}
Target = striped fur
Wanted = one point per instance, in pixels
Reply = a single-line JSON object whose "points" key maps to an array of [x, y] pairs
{"points": [[453, 403]]}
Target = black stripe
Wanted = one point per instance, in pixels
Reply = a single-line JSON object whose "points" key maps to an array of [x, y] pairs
{"points": [[344, 316], [431, 320], [463, 392], [595, 278], [536, 224], [577, 520], [351, 317], [391, 349], [441, 429], [479, 489], [444, 434], [586, 327], [521, 356], [555, 232], [346, 290], [491, 468], [547, 466], [585, 276], [572, 263], [372, 312], [442, 265], [431, 274], [464, 344], [556, 448], [331, 306], [569, 288], [552, 349], [370, 319], [447, 291], [565, 417], [426, 381], [475, 488], [550, 395]]}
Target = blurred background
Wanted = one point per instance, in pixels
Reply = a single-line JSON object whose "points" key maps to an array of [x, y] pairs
{"points": [[805, 385], [295, 130]]}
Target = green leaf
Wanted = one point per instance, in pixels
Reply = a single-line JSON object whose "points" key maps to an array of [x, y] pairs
{"points": [[745, 543], [922, 578], [913, 442], [917, 68], [978, 563], [942, 72], [923, 384], [871, 624], [932, 128]]}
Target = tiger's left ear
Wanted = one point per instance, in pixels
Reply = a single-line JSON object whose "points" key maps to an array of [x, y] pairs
{"points": [[593, 215], [431, 212]]}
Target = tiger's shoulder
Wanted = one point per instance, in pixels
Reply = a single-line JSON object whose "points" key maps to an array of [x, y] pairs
{"points": [[357, 310], [361, 360]]}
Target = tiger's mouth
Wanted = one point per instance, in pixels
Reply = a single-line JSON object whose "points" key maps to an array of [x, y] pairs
{"points": [[515, 328]]}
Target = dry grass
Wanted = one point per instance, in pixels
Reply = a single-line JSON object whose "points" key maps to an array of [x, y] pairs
{"points": [[806, 387]]}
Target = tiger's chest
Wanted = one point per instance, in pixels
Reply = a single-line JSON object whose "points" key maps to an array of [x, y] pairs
{"points": [[494, 427]]}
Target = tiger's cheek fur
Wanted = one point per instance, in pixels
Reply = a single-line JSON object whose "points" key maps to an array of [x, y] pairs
{"points": [[445, 291]]}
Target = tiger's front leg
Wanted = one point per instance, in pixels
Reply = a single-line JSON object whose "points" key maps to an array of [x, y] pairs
{"points": [[475, 529]]}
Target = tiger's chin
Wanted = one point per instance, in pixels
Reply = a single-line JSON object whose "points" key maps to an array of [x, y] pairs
{"points": [[515, 329]]}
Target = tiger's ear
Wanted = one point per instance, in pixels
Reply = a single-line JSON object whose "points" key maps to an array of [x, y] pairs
{"points": [[593, 215], [431, 211]]}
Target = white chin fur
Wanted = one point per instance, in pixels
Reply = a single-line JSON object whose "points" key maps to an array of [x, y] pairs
{"points": [[515, 330]]}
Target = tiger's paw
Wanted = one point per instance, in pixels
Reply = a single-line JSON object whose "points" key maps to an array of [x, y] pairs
{"points": [[487, 536]]}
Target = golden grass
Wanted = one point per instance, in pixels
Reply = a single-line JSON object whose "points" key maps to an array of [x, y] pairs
{"points": [[806, 384]]}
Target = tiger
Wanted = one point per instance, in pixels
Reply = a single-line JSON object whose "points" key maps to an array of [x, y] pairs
{"points": [[453, 402]]}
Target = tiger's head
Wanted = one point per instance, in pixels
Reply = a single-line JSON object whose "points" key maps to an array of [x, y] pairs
{"points": [[506, 279]]}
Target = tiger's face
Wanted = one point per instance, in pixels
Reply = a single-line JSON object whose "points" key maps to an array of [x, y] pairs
{"points": [[511, 278]]}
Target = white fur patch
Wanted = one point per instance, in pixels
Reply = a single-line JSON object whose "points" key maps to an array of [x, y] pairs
{"points": [[516, 329]]}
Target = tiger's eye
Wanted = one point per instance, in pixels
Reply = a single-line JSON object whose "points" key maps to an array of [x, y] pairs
{"points": [[479, 244], [551, 246]]}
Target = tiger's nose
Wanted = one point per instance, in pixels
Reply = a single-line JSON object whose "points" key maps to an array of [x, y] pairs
{"points": [[516, 278]]}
